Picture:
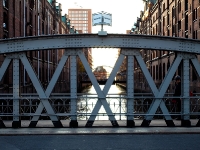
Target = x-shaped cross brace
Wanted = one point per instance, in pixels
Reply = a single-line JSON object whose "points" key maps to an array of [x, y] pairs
{"points": [[44, 95], [101, 94], [158, 94]]}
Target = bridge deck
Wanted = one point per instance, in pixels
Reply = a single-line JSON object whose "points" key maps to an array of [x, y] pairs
{"points": [[98, 123]]}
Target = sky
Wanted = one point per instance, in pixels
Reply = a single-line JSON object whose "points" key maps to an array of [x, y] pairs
{"points": [[124, 14]]}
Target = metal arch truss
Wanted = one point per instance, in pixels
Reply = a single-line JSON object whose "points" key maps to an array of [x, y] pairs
{"points": [[69, 41], [73, 53]]}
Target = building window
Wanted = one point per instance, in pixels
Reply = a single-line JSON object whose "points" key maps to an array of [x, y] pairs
{"points": [[194, 36], [156, 72], [193, 15], [179, 25], [168, 19], [186, 22], [173, 12], [163, 71], [163, 21], [153, 72], [163, 7], [174, 30], [160, 72], [179, 6], [5, 21], [156, 29], [186, 5], [5, 3]]}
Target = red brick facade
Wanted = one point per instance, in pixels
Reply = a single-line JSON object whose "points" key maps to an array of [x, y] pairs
{"points": [[176, 18], [17, 24]]}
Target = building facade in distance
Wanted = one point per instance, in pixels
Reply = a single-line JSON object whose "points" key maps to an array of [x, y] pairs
{"points": [[21, 18], [175, 18], [81, 20]]}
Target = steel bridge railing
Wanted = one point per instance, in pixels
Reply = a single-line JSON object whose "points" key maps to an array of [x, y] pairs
{"points": [[85, 104]]}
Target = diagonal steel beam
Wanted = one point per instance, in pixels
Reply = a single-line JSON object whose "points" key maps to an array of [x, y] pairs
{"points": [[56, 74], [146, 74], [101, 94], [4, 66], [196, 64], [41, 93], [158, 93], [51, 84]]}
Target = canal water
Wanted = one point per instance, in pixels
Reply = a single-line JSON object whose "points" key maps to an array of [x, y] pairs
{"points": [[115, 99]]}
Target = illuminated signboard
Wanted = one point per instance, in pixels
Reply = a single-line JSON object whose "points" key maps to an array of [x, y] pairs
{"points": [[102, 19]]}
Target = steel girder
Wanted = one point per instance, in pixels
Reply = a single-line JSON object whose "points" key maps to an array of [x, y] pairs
{"points": [[73, 90], [95, 41], [131, 53], [16, 93], [130, 91]]}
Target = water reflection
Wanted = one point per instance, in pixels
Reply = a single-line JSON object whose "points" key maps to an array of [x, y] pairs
{"points": [[115, 100]]}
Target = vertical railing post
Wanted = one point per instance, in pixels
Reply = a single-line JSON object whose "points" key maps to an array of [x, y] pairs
{"points": [[16, 94], [120, 106], [73, 89], [86, 107]]}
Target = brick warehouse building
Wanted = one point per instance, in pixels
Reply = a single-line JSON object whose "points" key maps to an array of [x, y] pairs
{"points": [[20, 18], [175, 18]]}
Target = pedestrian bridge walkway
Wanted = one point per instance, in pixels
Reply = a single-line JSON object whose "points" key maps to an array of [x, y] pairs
{"points": [[98, 123], [100, 128]]}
